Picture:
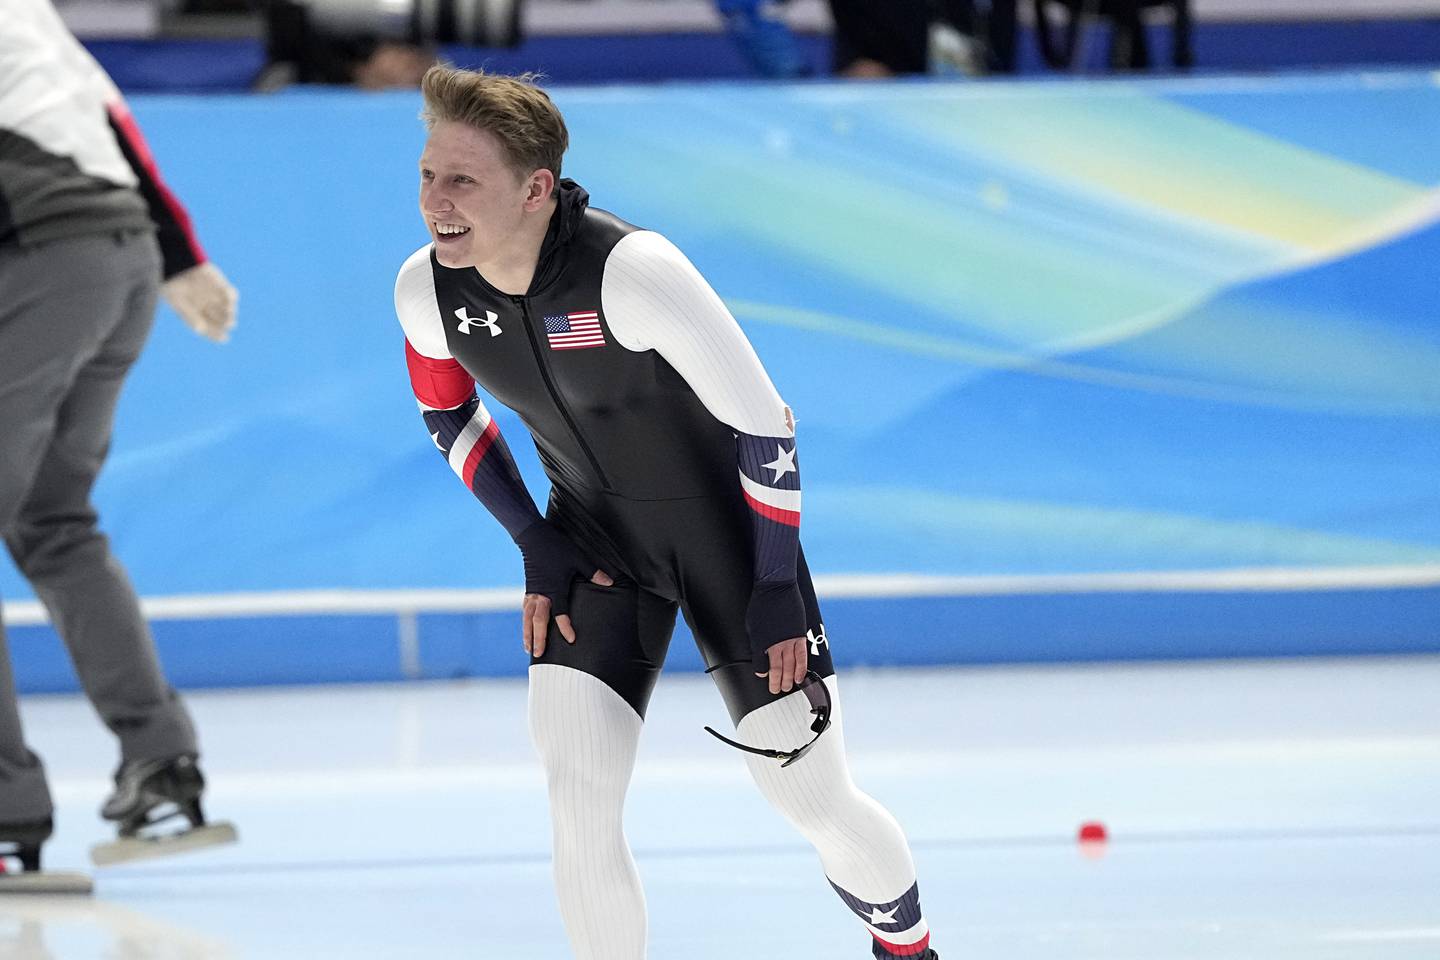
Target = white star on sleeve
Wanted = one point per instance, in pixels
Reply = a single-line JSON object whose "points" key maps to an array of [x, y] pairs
{"points": [[877, 916], [783, 463]]}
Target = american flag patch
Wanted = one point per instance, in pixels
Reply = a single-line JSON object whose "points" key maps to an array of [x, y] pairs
{"points": [[574, 331]]}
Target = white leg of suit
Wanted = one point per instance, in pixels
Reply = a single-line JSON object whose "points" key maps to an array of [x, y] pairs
{"points": [[587, 737], [862, 848]]}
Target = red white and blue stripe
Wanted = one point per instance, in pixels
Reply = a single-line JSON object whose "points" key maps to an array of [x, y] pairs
{"points": [[770, 482], [471, 443], [897, 926], [574, 331], [772, 503], [463, 430]]}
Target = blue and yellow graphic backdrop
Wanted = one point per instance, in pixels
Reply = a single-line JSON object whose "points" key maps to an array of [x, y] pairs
{"points": [[1046, 328]]}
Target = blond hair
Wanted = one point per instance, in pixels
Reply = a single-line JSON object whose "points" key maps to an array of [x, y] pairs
{"points": [[518, 113]]}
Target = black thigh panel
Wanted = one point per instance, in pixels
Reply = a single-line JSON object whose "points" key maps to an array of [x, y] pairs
{"points": [[621, 635], [694, 549], [714, 607]]}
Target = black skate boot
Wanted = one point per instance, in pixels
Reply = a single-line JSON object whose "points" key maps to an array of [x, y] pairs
{"points": [[21, 842], [149, 793], [20, 871]]}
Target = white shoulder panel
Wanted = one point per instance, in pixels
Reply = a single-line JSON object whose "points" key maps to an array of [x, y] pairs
{"points": [[655, 299], [416, 307], [54, 93]]}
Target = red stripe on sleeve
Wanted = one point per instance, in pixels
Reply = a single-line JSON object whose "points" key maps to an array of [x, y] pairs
{"points": [[788, 517], [477, 452], [441, 384], [135, 143]]}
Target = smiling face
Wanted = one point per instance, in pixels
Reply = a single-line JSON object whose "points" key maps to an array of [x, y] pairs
{"points": [[473, 200]]}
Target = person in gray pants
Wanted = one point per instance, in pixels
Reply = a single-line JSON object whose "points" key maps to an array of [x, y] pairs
{"points": [[90, 237]]}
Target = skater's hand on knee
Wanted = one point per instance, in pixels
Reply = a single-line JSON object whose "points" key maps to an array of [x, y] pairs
{"points": [[789, 659]]}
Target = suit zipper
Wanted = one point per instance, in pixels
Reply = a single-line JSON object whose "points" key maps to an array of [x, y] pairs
{"points": [[524, 305]]}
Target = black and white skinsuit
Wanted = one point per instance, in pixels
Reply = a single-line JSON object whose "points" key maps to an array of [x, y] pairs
{"points": [[672, 465]]}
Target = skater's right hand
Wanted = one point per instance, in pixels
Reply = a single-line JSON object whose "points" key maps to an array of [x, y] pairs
{"points": [[552, 564]]}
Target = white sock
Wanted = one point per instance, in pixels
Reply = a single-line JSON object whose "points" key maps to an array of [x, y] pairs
{"points": [[587, 737]]}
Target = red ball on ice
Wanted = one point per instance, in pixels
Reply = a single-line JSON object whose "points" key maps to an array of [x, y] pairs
{"points": [[1093, 831]]}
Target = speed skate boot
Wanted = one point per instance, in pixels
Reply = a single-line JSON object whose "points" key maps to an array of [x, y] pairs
{"points": [[20, 871], [149, 796]]}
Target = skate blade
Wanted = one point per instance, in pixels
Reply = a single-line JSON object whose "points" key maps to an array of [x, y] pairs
{"points": [[41, 883], [130, 849]]}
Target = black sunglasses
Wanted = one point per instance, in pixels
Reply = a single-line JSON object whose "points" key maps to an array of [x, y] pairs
{"points": [[819, 696]]}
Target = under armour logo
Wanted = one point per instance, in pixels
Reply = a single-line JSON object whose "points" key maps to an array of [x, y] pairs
{"points": [[816, 639], [489, 323]]}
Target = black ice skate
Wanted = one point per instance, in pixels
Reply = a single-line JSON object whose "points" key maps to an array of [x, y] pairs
{"points": [[20, 871], [148, 796]]}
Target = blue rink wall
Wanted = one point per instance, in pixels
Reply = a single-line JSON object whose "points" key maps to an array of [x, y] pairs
{"points": [[1083, 371], [913, 631]]}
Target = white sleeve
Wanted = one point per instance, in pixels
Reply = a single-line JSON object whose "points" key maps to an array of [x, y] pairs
{"points": [[55, 94], [417, 309], [655, 299], [436, 377]]}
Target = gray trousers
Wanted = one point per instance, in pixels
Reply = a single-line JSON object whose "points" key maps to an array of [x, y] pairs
{"points": [[74, 316]]}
